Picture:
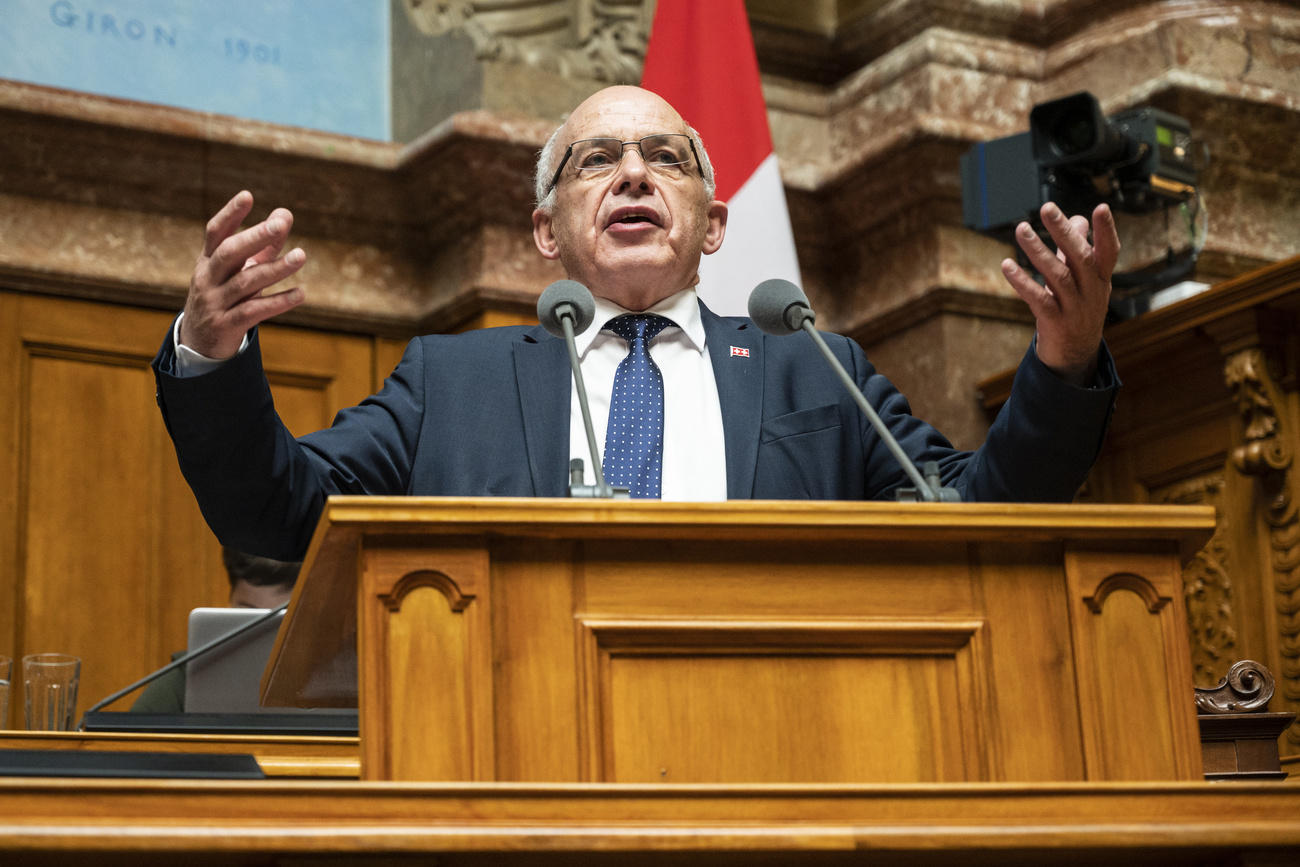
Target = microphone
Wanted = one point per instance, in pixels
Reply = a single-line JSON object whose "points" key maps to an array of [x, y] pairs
{"points": [[566, 298], [779, 307], [181, 660], [566, 308]]}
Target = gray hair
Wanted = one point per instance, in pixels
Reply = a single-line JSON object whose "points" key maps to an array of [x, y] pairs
{"points": [[546, 159]]}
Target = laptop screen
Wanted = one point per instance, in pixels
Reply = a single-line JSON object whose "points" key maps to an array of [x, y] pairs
{"points": [[228, 678]]}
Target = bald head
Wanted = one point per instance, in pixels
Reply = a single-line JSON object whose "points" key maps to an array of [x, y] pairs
{"points": [[629, 225], [617, 101]]}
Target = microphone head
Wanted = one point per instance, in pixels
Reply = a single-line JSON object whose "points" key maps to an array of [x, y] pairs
{"points": [[779, 307], [565, 297]]}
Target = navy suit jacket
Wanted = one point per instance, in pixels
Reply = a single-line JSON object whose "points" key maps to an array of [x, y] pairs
{"points": [[486, 413]]}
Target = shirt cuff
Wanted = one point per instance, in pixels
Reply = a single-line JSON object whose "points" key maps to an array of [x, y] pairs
{"points": [[191, 363]]}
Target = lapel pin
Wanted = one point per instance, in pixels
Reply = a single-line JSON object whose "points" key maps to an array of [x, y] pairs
{"points": [[740, 351]]}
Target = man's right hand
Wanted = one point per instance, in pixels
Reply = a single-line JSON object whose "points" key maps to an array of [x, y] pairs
{"points": [[225, 298]]}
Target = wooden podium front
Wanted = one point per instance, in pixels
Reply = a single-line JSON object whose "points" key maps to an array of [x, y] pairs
{"points": [[748, 642]]}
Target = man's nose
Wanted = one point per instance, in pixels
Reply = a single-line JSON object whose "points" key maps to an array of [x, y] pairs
{"points": [[632, 168]]}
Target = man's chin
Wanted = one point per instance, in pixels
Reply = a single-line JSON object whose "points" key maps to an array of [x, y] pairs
{"points": [[636, 285]]}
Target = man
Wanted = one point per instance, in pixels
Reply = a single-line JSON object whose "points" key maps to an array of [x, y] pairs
{"points": [[255, 582], [628, 210]]}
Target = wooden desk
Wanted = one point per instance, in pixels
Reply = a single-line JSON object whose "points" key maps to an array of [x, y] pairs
{"points": [[295, 756], [557, 641], [280, 822]]}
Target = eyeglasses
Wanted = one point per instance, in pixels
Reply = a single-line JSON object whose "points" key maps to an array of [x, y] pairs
{"points": [[664, 153]]}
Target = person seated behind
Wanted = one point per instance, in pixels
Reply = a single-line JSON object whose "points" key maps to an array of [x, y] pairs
{"points": [[255, 582]]}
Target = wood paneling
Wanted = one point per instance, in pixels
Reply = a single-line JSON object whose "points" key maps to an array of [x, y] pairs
{"points": [[388, 352], [640, 641], [433, 619], [91, 509], [1129, 623], [109, 550], [1210, 414], [10, 529], [832, 700], [1040, 685], [538, 635], [195, 822]]}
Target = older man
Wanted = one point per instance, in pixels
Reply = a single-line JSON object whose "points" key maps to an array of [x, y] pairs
{"points": [[693, 405]]}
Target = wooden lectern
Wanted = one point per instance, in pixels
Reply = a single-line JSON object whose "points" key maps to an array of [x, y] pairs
{"points": [[748, 642]]}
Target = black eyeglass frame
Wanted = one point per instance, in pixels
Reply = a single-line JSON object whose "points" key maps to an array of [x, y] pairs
{"points": [[568, 152]]}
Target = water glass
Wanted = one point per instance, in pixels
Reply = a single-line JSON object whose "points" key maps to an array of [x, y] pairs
{"points": [[50, 685], [6, 671]]}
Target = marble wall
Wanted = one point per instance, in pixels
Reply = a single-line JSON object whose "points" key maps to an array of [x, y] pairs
{"points": [[871, 105]]}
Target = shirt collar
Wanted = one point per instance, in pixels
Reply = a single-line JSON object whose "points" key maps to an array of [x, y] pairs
{"points": [[683, 308]]}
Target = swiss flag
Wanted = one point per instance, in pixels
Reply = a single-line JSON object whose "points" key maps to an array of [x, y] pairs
{"points": [[701, 59]]}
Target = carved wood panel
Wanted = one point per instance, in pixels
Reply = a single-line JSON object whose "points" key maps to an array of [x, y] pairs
{"points": [[1128, 624], [431, 645], [1207, 584], [103, 550], [1267, 453], [1209, 414]]}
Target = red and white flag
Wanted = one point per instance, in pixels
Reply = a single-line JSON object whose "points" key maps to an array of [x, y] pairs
{"points": [[701, 59]]}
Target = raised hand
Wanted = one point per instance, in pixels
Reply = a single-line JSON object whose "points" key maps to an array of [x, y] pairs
{"points": [[1070, 309], [226, 290]]}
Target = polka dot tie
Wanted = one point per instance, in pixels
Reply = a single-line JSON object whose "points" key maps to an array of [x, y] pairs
{"points": [[634, 440]]}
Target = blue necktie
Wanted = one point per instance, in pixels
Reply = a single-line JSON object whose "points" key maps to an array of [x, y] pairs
{"points": [[634, 439]]}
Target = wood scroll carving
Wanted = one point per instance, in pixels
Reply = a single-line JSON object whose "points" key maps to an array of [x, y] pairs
{"points": [[1247, 688], [1267, 454]]}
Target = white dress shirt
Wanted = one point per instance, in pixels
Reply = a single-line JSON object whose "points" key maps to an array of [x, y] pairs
{"points": [[695, 457]]}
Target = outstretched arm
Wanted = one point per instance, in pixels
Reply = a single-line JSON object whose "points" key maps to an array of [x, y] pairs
{"points": [[1070, 307]]}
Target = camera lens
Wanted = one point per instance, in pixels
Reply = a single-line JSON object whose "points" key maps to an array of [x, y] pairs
{"points": [[1073, 135]]}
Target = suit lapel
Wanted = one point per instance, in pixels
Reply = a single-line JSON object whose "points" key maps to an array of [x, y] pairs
{"points": [[736, 350], [545, 391]]}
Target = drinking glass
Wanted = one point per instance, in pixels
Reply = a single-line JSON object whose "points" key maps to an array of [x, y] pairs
{"points": [[6, 670], [50, 686]]}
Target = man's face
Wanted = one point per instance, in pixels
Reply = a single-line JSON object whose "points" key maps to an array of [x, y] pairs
{"points": [[634, 236], [246, 595]]}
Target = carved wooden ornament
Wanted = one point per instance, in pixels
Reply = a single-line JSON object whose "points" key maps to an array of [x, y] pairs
{"points": [[1247, 688]]}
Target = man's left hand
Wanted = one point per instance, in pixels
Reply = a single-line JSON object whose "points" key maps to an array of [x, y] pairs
{"points": [[1070, 309]]}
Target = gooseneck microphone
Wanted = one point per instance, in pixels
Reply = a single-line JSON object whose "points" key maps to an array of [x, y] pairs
{"points": [[779, 307], [566, 308]]}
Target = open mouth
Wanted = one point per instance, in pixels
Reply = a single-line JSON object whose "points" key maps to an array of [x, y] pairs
{"points": [[633, 217]]}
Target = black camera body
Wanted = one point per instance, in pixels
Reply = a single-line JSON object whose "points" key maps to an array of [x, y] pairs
{"points": [[1136, 161]]}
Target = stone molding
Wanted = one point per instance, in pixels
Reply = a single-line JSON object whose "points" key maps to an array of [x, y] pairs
{"points": [[940, 301], [948, 83], [601, 40], [869, 163]]}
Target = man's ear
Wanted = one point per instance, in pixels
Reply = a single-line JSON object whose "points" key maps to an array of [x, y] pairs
{"points": [[717, 228], [544, 236]]}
